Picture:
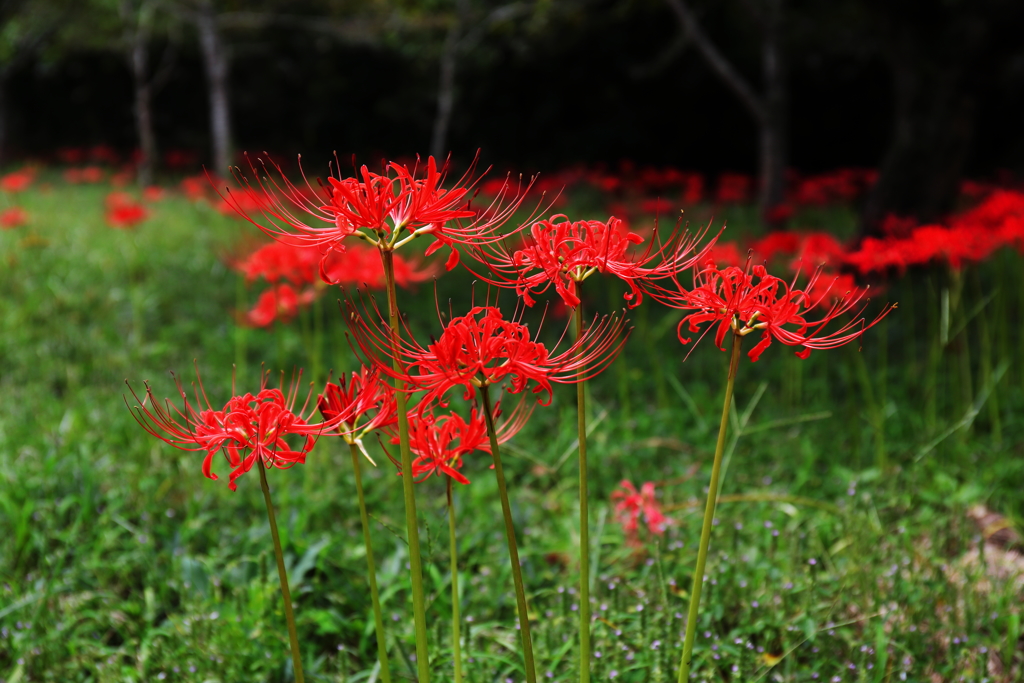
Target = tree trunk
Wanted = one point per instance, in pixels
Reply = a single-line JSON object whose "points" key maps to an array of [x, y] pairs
{"points": [[215, 60], [4, 114], [932, 132], [768, 109], [143, 105], [446, 90], [772, 123]]}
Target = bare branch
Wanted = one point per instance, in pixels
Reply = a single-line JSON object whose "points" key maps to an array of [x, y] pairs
{"points": [[662, 60], [717, 61]]}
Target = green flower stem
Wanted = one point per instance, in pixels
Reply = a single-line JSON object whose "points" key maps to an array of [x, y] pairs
{"points": [[419, 608], [709, 515], [289, 616], [453, 551], [371, 570], [240, 330], [581, 423], [510, 534]]}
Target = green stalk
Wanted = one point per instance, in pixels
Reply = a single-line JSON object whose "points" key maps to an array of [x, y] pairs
{"points": [[709, 514], [318, 335], [510, 534], [419, 609], [581, 424], [371, 570], [240, 329], [289, 616], [453, 551]]}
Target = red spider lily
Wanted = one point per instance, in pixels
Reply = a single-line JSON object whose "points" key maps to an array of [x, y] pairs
{"points": [[375, 207], [746, 301], [658, 206], [778, 214], [276, 261], [817, 249], [724, 254], [126, 216], [278, 303], [90, 174], [971, 236], [248, 427], [774, 243], [71, 155], [17, 181], [362, 267], [565, 253], [733, 188], [828, 288], [842, 185], [925, 244], [299, 266], [153, 193], [481, 348], [195, 187], [631, 505], [440, 443], [13, 217], [361, 403]]}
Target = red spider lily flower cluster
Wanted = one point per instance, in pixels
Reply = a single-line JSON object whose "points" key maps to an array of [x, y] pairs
{"points": [[13, 217], [563, 253], [631, 506], [440, 443], [248, 427], [361, 402], [745, 301], [376, 207], [482, 348]]}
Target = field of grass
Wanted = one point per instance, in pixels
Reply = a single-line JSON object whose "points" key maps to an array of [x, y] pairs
{"points": [[850, 544]]}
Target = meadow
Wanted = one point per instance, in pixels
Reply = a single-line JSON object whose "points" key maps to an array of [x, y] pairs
{"points": [[865, 528]]}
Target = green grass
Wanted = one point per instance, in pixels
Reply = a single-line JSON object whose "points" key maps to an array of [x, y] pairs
{"points": [[119, 561]]}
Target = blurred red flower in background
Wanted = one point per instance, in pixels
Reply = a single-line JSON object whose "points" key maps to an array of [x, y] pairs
{"points": [[631, 506], [123, 212], [733, 188], [13, 217], [17, 181], [279, 303]]}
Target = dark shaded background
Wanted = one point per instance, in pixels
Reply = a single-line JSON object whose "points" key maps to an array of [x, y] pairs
{"points": [[571, 95]]}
